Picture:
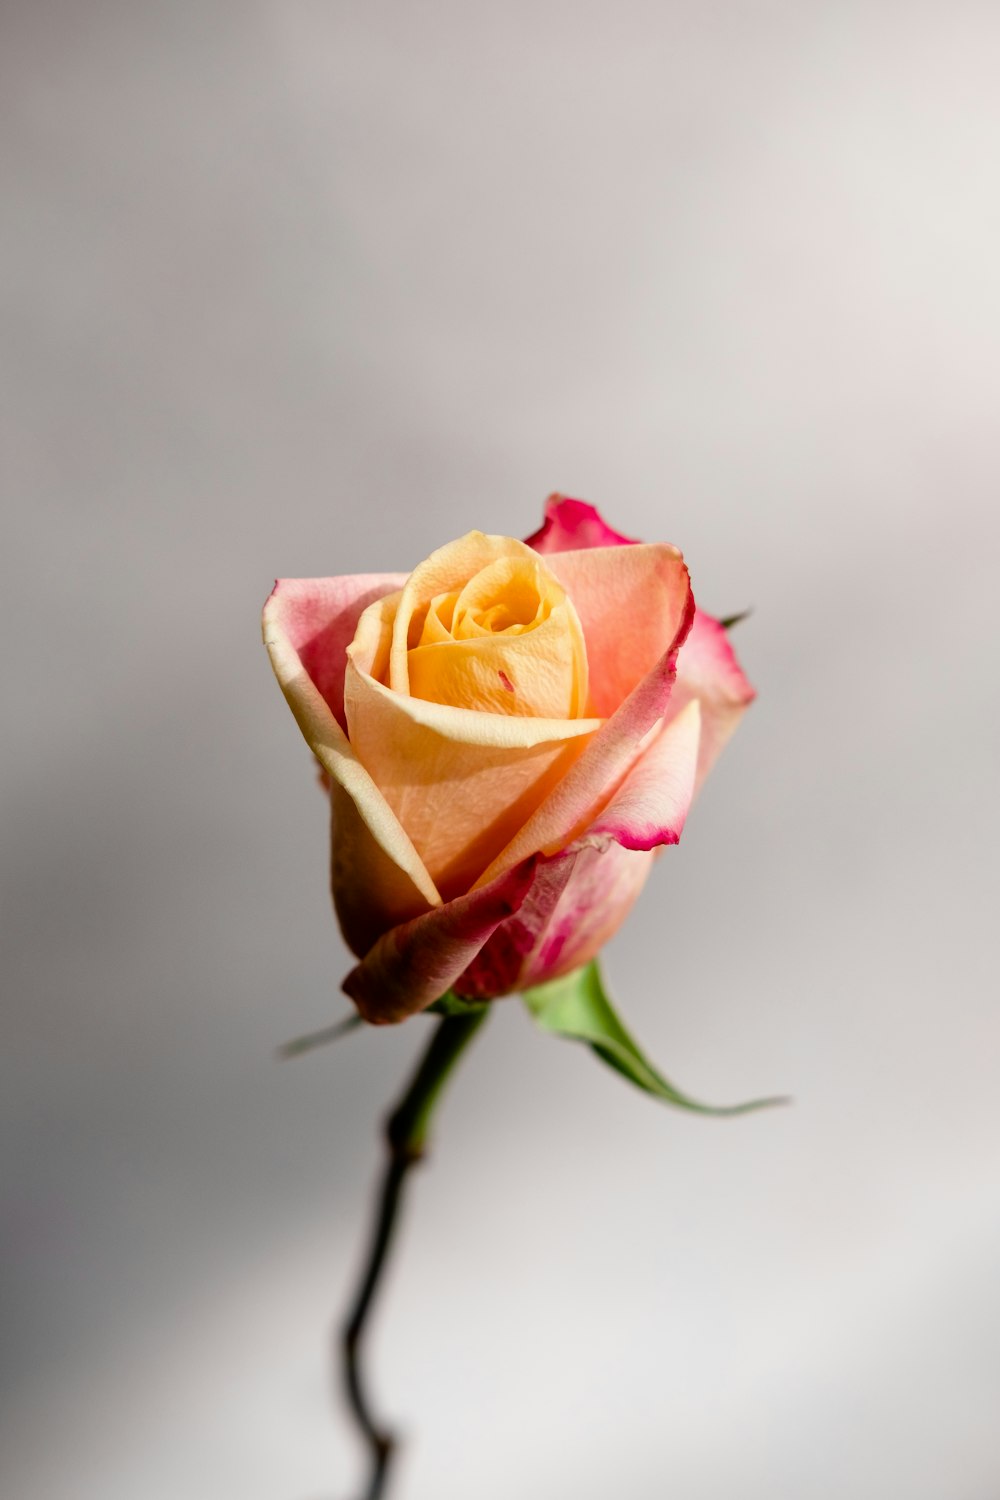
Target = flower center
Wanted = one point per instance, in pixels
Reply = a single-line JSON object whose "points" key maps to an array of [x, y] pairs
{"points": [[505, 639]]}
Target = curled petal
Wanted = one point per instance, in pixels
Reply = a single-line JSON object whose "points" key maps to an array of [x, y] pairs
{"points": [[452, 569], [414, 964], [377, 840], [651, 805], [572, 525], [707, 671], [316, 618], [372, 886]]}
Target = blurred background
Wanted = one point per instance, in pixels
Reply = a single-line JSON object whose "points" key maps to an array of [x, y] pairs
{"points": [[306, 288]]}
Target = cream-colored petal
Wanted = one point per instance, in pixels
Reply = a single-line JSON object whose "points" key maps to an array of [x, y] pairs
{"points": [[384, 838], [372, 891]]}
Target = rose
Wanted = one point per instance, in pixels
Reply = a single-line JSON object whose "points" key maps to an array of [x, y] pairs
{"points": [[509, 734]]}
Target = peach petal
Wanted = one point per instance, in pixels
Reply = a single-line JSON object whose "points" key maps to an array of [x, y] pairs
{"points": [[414, 964], [587, 787], [459, 781], [631, 602], [372, 890]]}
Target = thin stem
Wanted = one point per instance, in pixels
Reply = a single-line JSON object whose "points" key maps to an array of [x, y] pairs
{"points": [[406, 1135]]}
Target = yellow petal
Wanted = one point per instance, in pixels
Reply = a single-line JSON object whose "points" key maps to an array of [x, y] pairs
{"points": [[485, 625]]}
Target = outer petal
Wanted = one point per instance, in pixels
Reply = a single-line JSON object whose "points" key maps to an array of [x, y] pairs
{"points": [[461, 782], [707, 670], [587, 788], [411, 966], [580, 896], [318, 618], [578, 900], [651, 806], [631, 602], [374, 843], [571, 525], [372, 890]]}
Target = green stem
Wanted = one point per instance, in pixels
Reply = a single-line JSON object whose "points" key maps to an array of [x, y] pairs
{"points": [[406, 1135]]}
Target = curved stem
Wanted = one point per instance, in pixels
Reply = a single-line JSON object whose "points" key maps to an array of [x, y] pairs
{"points": [[406, 1136]]}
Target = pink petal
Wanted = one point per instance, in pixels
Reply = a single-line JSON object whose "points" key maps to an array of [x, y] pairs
{"points": [[707, 670], [572, 525], [545, 916], [498, 967], [414, 964], [631, 601], [578, 900], [319, 617], [580, 896]]}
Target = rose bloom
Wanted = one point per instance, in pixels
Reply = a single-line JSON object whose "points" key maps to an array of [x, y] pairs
{"points": [[510, 734]]}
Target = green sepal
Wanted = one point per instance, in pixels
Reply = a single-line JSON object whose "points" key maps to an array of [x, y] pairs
{"points": [[728, 621], [299, 1045], [451, 1004], [577, 1007]]}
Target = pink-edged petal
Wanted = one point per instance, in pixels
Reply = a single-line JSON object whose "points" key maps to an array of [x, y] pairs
{"points": [[414, 964], [571, 525], [631, 602], [650, 807], [580, 896], [376, 834], [707, 670], [498, 968], [578, 900], [588, 786], [319, 616]]}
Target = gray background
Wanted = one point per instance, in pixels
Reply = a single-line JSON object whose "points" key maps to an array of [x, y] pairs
{"points": [[308, 288]]}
